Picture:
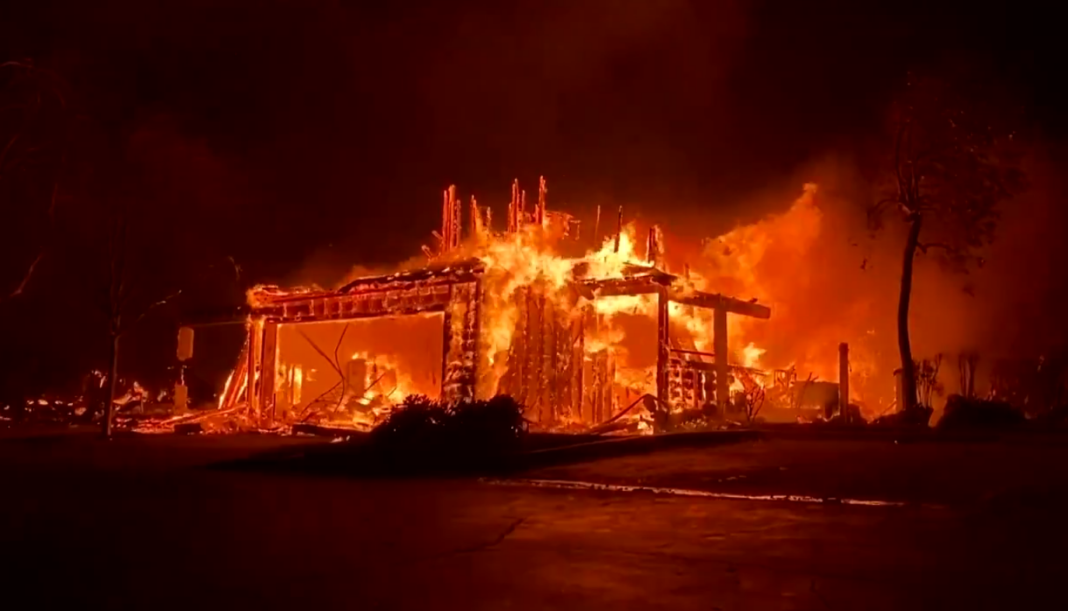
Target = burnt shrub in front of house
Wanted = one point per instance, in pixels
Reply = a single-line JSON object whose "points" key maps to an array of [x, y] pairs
{"points": [[424, 435], [963, 413]]}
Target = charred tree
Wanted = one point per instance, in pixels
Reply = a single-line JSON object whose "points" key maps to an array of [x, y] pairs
{"points": [[954, 159]]}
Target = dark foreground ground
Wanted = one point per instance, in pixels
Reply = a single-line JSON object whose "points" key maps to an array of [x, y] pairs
{"points": [[140, 524]]}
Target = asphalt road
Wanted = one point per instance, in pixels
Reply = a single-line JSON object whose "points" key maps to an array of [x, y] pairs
{"points": [[140, 525]]}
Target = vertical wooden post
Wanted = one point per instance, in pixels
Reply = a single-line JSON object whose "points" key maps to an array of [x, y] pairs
{"points": [[520, 348], [578, 358], [255, 348], [550, 361], [663, 342], [539, 214], [446, 347], [843, 381], [513, 208], [460, 349], [719, 349], [619, 227], [541, 360], [532, 337], [474, 339], [597, 226], [268, 368]]}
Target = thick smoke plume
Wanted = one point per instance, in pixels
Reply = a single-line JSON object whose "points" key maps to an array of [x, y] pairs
{"points": [[829, 280]]}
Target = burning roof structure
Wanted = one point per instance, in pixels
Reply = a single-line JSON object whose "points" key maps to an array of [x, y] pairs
{"points": [[579, 341]]}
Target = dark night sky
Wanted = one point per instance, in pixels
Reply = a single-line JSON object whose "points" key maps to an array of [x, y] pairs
{"points": [[306, 136]]}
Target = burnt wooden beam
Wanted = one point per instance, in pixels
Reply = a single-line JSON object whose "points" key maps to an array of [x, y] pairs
{"points": [[255, 348], [719, 348], [654, 283], [663, 341], [651, 282], [267, 378], [414, 300], [721, 302], [460, 343], [458, 271]]}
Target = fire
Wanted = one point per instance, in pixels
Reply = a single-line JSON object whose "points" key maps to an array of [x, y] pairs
{"points": [[513, 262], [751, 355], [533, 284], [610, 261], [384, 379], [792, 261], [526, 258], [226, 388]]}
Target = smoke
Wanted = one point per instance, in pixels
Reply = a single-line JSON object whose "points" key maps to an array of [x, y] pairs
{"points": [[828, 280]]}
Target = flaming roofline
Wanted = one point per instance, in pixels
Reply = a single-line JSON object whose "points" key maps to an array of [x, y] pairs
{"points": [[456, 291], [428, 276], [640, 280]]}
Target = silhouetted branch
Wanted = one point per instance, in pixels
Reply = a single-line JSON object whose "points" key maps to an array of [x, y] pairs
{"points": [[25, 278], [7, 150], [924, 247], [897, 154], [152, 306], [321, 352]]}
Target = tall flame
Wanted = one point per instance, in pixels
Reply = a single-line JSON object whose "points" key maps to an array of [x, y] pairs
{"points": [[759, 260]]}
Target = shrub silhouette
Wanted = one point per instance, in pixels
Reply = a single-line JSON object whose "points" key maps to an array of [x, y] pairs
{"points": [[426, 434], [969, 413]]}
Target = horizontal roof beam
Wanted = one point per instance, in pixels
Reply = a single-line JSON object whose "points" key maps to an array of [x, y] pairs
{"points": [[720, 302], [647, 285]]}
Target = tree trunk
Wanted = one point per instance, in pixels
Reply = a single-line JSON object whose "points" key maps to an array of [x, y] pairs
{"points": [[908, 366], [113, 385]]}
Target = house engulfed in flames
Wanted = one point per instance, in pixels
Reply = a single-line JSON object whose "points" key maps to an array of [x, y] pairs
{"points": [[509, 315]]}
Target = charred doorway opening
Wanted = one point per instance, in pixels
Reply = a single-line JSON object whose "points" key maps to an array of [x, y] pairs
{"points": [[410, 332], [352, 371]]}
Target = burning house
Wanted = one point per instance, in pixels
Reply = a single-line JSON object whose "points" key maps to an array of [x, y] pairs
{"points": [[581, 341]]}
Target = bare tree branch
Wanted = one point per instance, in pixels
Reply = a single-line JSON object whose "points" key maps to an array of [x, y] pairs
{"points": [[7, 150], [237, 268], [21, 288], [924, 247], [150, 308], [321, 352], [897, 154]]}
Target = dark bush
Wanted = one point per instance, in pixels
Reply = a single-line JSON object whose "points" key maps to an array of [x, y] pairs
{"points": [[495, 425], [416, 421], [426, 435], [965, 413]]}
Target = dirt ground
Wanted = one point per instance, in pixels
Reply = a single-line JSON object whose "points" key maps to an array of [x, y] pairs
{"points": [[138, 523]]}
